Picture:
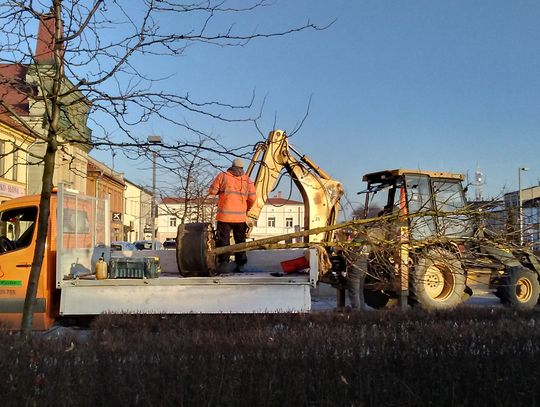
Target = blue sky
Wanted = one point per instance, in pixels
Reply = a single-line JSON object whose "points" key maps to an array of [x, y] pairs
{"points": [[434, 85]]}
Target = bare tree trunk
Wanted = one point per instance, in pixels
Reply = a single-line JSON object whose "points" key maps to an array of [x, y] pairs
{"points": [[52, 105], [42, 231]]}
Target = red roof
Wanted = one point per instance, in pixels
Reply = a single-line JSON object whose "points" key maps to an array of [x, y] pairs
{"points": [[14, 92], [282, 201], [14, 89], [45, 40]]}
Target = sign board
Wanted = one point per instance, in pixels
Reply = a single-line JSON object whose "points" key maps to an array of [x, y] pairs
{"points": [[117, 216], [11, 191]]}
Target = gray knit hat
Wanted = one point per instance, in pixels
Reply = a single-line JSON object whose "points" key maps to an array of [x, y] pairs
{"points": [[237, 162]]}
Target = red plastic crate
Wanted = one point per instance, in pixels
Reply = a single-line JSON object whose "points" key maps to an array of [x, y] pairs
{"points": [[290, 266]]}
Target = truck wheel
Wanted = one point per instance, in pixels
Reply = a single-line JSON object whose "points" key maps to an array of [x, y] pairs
{"points": [[376, 298], [520, 289], [438, 280]]}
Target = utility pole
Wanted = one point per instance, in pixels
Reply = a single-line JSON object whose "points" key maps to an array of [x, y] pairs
{"points": [[520, 205], [155, 140]]}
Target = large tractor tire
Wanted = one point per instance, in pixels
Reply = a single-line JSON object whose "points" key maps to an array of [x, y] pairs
{"points": [[437, 280], [194, 250], [520, 289]]}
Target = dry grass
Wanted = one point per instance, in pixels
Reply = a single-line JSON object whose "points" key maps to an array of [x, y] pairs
{"points": [[466, 357]]}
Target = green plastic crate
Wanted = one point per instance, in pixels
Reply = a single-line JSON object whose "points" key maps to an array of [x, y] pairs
{"points": [[134, 267]]}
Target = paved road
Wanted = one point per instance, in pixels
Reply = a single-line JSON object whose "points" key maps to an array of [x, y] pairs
{"points": [[324, 297]]}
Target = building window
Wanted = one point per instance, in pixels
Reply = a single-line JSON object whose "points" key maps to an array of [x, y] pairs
{"points": [[172, 222], [288, 222], [2, 157], [15, 168], [272, 222]]}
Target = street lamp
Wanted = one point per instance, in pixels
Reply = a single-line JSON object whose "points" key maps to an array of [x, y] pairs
{"points": [[154, 140], [520, 205]]}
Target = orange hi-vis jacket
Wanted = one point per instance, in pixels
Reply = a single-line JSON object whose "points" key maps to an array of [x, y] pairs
{"points": [[236, 196]]}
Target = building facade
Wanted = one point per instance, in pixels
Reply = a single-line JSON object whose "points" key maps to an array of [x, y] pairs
{"points": [[137, 217], [530, 202], [278, 216], [13, 175], [175, 211], [23, 88], [104, 182]]}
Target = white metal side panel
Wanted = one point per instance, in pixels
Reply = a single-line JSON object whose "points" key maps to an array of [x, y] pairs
{"points": [[180, 299], [83, 233]]}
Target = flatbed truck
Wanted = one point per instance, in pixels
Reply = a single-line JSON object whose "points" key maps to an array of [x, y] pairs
{"points": [[79, 235]]}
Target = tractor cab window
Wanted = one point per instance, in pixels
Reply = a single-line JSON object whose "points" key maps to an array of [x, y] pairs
{"points": [[380, 199], [418, 201], [448, 197], [17, 228]]}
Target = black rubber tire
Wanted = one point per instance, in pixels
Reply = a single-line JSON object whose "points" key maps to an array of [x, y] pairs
{"points": [[520, 289], [437, 280], [194, 250], [376, 298]]}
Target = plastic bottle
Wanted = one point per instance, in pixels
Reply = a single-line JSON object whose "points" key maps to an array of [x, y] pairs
{"points": [[101, 268]]}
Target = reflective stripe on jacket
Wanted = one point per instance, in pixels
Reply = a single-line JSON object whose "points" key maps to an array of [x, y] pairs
{"points": [[236, 196]]}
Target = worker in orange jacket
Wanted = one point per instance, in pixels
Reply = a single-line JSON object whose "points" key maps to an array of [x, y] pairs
{"points": [[236, 196]]}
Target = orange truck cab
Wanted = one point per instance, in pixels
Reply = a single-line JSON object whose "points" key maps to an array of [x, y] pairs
{"points": [[18, 230]]}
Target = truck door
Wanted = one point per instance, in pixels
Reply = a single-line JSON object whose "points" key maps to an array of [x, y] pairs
{"points": [[419, 200], [17, 244], [449, 197]]}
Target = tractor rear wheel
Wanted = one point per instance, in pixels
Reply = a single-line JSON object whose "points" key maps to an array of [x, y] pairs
{"points": [[437, 280], [520, 289]]}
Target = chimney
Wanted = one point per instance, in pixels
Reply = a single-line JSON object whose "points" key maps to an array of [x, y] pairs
{"points": [[45, 41]]}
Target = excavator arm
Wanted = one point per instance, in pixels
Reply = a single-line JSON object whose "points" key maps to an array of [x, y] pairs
{"points": [[320, 193]]}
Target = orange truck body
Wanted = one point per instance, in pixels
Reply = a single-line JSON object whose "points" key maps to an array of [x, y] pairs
{"points": [[15, 263], [15, 270], [79, 234]]}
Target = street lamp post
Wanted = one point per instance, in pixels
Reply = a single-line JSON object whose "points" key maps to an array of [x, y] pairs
{"points": [[155, 140], [520, 205]]}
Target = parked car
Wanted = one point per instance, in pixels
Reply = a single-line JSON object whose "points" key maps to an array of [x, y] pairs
{"points": [[121, 246], [147, 245], [169, 243]]}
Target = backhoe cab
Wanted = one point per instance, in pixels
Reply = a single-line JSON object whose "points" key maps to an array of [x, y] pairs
{"points": [[433, 198], [426, 245]]}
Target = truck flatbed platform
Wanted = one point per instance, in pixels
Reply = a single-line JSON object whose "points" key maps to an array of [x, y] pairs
{"points": [[254, 291]]}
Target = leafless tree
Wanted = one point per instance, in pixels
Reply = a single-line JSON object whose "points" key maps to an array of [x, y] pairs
{"points": [[191, 176], [93, 68]]}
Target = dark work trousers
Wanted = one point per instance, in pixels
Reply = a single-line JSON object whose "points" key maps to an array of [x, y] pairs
{"points": [[224, 239]]}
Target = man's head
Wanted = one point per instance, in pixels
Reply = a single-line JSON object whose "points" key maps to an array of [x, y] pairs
{"points": [[237, 162]]}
